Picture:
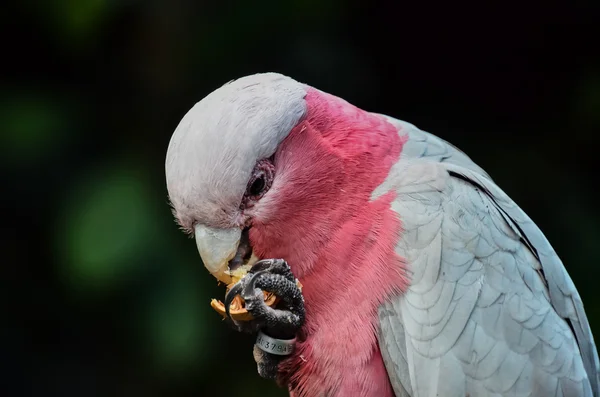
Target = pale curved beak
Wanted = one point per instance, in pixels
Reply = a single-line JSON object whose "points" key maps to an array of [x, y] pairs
{"points": [[217, 247]]}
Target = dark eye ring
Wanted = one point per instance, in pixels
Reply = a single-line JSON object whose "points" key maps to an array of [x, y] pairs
{"points": [[257, 187], [261, 180]]}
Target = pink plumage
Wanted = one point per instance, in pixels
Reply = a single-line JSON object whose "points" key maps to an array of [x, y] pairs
{"points": [[340, 244]]}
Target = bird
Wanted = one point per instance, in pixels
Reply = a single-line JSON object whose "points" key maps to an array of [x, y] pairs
{"points": [[419, 275]]}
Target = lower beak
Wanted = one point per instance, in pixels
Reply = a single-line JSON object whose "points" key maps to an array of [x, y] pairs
{"points": [[217, 247]]}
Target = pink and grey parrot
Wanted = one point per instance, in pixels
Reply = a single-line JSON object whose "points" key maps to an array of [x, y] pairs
{"points": [[419, 276]]}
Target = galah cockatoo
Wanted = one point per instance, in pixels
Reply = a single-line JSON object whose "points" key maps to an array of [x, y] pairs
{"points": [[419, 276]]}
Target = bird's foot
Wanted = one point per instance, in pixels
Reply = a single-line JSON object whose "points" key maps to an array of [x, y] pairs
{"points": [[278, 325], [275, 276]]}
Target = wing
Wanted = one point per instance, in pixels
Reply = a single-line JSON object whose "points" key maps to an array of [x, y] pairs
{"points": [[491, 311]]}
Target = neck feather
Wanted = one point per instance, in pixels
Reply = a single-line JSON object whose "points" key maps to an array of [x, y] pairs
{"points": [[319, 216]]}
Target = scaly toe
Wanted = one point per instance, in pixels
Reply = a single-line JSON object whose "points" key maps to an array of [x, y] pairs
{"points": [[274, 266], [250, 293]]}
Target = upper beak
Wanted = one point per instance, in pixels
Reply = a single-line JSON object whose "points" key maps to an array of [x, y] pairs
{"points": [[217, 247]]}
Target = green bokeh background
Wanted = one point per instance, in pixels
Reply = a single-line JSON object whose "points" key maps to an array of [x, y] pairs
{"points": [[104, 296]]}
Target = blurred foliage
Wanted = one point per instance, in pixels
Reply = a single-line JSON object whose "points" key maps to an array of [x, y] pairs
{"points": [[33, 124], [107, 297], [107, 226]]}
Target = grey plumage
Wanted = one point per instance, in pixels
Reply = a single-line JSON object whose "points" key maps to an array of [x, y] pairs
{"points": [[217, 143], [490, 307]]}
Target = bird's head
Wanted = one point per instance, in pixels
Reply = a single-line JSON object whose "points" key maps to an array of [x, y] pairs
{"points": [[269, 166]]}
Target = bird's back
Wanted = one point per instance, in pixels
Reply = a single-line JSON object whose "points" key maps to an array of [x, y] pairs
{"points": [[491, 309]]}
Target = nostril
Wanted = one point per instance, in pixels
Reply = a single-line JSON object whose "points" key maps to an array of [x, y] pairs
{"points": [[243, 253]]}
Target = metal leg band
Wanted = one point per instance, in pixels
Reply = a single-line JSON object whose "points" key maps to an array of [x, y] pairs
{"points": [[280, 347]]}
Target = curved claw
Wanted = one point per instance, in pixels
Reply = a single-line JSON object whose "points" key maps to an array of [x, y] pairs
{"points": [[275, 266], [262, 264], [231, 294], [248, 289]]}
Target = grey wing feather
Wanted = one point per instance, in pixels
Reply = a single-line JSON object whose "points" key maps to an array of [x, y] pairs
{"points": [[491, 310]]}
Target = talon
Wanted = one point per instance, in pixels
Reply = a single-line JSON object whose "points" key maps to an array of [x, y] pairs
{"points": [[231, 294], [262, 264], [248, 289]]}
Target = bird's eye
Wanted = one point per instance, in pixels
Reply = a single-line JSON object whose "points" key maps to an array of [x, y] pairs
{"points": [[260, 182], [257, 186]]}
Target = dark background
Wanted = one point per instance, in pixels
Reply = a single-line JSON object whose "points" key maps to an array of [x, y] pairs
{"points": [[106, 297]]}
